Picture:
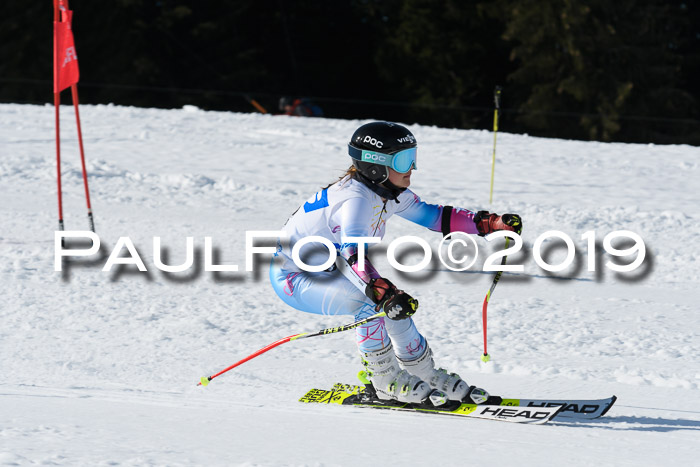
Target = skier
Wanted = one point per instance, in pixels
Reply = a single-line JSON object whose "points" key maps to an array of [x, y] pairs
{"points": [[397, 358], [301, 107]]}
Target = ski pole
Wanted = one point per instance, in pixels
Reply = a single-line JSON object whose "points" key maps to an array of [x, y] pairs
{"points": [[204, 381], [497, 101], [486, 357], [74, 94], [57, 106]]}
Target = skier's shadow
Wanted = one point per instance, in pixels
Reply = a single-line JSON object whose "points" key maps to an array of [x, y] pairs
{"points": [[631, 423]]}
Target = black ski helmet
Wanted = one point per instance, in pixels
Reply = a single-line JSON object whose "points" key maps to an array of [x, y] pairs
{"points": [[384, 137]]}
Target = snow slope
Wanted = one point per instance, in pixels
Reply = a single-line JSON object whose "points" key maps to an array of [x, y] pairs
{"points": [[100, 368]]}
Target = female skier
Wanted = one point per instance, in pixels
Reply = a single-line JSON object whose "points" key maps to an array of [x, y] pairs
{"points": [[397, 358]]}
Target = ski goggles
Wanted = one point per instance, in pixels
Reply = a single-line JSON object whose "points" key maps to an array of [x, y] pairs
{"points": [[402, 161]]}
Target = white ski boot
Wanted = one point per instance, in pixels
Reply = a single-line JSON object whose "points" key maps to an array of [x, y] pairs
{"points": [[449, 383], [391, 382]]}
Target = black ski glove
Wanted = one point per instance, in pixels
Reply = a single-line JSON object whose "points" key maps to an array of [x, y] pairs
{"points": [[396, 303], [487, 223]]}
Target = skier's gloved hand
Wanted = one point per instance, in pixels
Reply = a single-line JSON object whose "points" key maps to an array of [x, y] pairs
{"points": [[396, 303], [487, 223]]}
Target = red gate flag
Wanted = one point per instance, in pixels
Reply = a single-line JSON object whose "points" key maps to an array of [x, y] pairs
{"points": [[66, 71]]}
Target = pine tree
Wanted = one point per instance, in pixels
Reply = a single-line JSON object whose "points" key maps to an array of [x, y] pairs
{"points": [[587, 65], [441, 54]]}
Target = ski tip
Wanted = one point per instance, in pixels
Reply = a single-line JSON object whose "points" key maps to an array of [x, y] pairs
{"points": [[613, 399], [204, 381]]}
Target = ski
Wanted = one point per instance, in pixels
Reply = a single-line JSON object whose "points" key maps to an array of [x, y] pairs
{"points": [[358, 396], [569, 409], [572, 409]]}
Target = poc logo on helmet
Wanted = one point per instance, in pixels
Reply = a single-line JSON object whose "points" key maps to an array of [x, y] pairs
{"points": [[372, 141], [372, 157]]}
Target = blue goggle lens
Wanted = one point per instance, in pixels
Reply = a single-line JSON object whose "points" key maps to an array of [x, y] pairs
{"points": [[402, 161], [405, 160]]}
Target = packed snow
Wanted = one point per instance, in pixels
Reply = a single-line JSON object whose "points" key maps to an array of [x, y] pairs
{"points": [[100, 368]]}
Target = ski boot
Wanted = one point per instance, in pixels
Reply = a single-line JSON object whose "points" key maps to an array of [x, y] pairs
{"points": [[390, 382], [449, 383]]}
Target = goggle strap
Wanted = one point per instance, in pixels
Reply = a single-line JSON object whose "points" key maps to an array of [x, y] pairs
{"points": [[355, 153]]}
